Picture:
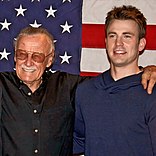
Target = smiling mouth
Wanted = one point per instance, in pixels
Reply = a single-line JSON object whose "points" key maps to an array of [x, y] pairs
{"points": [[30, 70], [119, 52]]}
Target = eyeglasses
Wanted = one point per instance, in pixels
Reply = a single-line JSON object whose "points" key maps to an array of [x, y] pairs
{"points": [[36, 56]]}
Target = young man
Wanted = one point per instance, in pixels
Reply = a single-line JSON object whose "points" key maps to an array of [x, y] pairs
{"points": [[36, 106], [114, 114]]}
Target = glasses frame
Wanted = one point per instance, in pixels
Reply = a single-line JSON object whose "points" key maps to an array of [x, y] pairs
{"points": [[32, 54]]}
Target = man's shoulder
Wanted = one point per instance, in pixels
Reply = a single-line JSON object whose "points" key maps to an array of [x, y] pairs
{"points": [[7, 74], [65, 76], [51, 74], [91, 82], [6, 77]]}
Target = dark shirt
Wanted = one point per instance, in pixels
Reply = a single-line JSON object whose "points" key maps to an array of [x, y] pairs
{"points": [[39, 123], [115, 118]]}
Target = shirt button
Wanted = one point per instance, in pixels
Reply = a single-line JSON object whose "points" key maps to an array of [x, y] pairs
{"points": [[36, 151], [35, 111], [29, 93], [36, 130]]}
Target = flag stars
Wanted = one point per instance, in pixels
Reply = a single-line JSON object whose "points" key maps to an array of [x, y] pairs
{"points": [[20, 11], [35, 24], [66, 1], [50, 12], [4, 54], [53, 71], [55, 41], [5, 24], [34, 0], [66, 27], [65, 58]]}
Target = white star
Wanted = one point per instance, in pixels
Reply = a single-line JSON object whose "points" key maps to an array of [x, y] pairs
{"points": [[20, 11], [65, 58], [55, 41], [66, 0], [34, 0], [4, 54], [53, 71], [50, 12], [66, 27], [5, 25], [35, 25]]}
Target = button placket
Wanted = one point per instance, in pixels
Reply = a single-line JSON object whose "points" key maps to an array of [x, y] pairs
{"points": [[36, 151], [29, 93], [36, 126]]}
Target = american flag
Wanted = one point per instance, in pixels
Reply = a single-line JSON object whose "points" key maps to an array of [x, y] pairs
{"points": [[61, 17], [78, 29], [93, 56]]}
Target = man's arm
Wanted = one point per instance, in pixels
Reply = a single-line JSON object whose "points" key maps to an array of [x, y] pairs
{"points": [[151, 120], [79, 128], [0, 119], [149, 78]]}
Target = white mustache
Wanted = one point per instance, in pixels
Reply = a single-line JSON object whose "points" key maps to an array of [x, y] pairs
{"points": [[28, 69]]}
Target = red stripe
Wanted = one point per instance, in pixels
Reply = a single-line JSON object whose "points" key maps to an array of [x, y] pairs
{"points": [[93, 36], [89, 74], [151, 37]]}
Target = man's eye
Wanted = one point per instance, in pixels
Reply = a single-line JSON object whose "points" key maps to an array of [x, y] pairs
{"points": [[111, 36], [37, 56], [22, 54], [127, 36]]}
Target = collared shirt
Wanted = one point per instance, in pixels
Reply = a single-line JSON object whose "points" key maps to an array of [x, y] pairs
{"points": [[39, 123]]}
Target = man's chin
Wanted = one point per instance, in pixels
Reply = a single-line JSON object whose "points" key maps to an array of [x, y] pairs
{"points": [[28, 80]]}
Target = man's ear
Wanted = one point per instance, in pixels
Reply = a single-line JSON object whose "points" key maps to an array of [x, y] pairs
{"points": [[14, 56], [142, 44], [51, 59], [105, 40]]}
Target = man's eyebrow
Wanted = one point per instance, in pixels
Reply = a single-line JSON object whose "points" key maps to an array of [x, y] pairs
{"points": [[130, 33], [111, 32]]}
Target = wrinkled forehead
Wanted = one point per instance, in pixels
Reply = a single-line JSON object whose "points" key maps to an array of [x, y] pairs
{"points": [[37, 42], [33, 39]]}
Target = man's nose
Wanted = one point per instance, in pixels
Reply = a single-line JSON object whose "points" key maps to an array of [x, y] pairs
{"points": [[119, 41], [29, 60]]}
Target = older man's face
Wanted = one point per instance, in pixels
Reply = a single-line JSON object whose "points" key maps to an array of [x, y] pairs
{"points": [[29, 65]]}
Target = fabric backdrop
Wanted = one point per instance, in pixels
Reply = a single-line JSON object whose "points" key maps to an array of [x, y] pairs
{"points": [[78, 29]]}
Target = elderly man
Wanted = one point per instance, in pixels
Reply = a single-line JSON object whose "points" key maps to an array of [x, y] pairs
{"points": [[37, 110]]}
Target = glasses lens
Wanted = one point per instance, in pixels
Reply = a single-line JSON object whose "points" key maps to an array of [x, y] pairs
{"points": [[38, 57], [21, 55]]}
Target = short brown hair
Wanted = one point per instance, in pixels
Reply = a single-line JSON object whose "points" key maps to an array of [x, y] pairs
{"points": [[127, 13]]}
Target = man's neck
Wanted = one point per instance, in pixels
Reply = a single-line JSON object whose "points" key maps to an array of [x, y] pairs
{"points": [[121, 72], [34, 85]]}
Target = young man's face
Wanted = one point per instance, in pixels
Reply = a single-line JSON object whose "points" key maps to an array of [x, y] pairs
{"points": [[122, 43], [30, 69]]}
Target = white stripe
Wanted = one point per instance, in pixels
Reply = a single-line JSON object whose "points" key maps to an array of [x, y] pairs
{"points": [[94, 11], [95, 60], [148, 58]]}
